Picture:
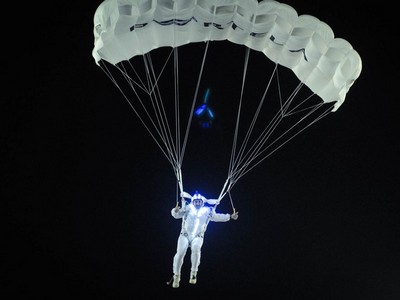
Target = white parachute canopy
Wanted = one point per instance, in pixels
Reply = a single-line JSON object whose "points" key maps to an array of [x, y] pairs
{"points": [[125, 29], [327, 65]]}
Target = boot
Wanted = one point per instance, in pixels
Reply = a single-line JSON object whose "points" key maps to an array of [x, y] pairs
{"points": [[177, 278], [193, 277]]}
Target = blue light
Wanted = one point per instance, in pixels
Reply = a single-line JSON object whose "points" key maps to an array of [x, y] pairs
{"points": [[204, 113], [210, 113], [206, 95], [199, 111]]}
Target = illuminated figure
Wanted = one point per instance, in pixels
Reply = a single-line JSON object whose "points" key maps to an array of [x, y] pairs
{"points": [[204, 113], [195, 218]]}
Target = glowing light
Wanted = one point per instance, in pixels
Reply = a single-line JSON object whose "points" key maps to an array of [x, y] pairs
{"points": [[204, 113], [198, 215], [200, 110]]}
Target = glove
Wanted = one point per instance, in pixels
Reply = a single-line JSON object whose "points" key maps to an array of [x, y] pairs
{"points": [[176, 209], [235, 215]]}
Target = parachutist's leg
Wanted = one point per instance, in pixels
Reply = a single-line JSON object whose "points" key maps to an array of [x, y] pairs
{"points": [[196, 245], [181, 248]]}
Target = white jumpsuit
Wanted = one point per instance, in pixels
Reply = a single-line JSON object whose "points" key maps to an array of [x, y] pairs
{"points": [[194, 225]]}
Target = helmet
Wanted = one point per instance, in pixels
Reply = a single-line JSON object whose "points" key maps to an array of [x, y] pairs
{"points": [[198, 200], [197, 195]]}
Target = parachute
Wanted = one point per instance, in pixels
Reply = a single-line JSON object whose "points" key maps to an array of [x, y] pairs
{"points": [[159, 54]]}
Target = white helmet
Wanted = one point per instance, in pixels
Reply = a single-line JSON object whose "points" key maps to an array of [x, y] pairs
{"points": [[198, 200], [197, 196]]}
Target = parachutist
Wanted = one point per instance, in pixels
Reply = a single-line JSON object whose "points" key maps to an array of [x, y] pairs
{"points": [[195, 218]]}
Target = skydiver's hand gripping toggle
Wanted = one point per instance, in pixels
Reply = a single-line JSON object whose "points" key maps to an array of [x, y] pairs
{"points": [[177, 207], [235, 215]]}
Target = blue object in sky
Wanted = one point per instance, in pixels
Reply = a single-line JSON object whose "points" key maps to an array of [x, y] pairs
{"points": [[204, 113]]}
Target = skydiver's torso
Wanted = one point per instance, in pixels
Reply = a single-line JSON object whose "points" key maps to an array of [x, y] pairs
{"points": [[195, 220]]}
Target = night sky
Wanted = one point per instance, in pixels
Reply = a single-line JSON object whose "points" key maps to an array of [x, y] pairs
{"points": [[88, 193]]}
